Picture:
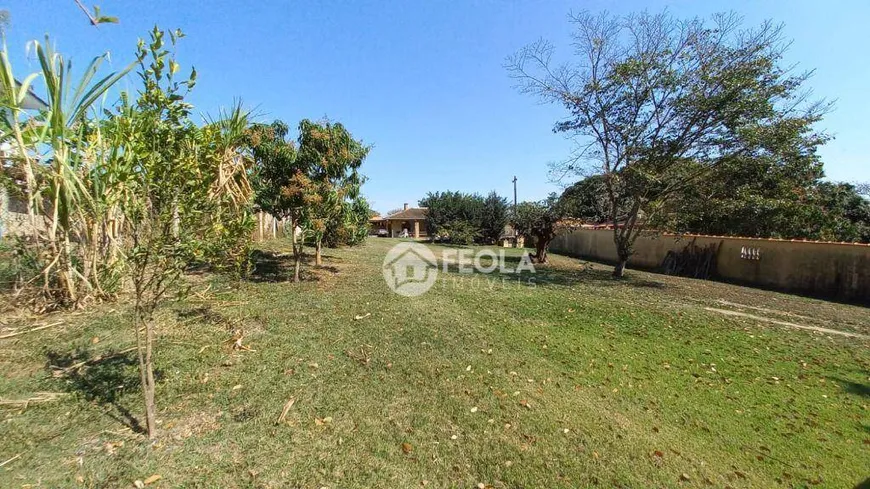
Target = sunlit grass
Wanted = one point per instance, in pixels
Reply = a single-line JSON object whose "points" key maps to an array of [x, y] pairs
{"points": [[575, 381]]}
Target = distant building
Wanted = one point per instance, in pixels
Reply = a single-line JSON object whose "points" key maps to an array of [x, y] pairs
{"points": [[13, 210], [409, 222]]}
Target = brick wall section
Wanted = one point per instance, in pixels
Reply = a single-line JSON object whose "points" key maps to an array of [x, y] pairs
{"points": [[824, 269]]}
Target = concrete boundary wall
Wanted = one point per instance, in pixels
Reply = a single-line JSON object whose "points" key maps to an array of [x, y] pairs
{"points": [[824, 269]]}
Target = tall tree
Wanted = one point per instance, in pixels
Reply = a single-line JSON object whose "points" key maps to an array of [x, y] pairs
{"points": [[281, 182], [333, 158], [649, 93], [465, 218], [493, 217], [587, 200]]}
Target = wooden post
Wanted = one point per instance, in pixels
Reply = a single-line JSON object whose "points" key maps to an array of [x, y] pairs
{"points": [[416, 229]]}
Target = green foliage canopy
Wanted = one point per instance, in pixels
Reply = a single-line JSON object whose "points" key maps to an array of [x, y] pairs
{"points": [[466, 218]]}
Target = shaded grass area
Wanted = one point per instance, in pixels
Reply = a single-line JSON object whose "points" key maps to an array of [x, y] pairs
{"points": [[562, 378]]}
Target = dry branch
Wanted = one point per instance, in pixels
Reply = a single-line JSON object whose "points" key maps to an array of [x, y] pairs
{"points": [[35, 399], [10, 335], [9, 460]]}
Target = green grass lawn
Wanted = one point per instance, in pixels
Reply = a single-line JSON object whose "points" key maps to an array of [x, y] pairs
{"points": [[577, 381]]}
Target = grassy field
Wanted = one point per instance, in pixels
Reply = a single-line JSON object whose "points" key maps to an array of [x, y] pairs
{"points": [[575, 381]]}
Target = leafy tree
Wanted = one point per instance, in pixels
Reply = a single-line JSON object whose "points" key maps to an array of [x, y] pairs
{"points": [[543, 221], [845, 214], [493, 217], [281, 182], [333, 158], [758, 197], [110, 191], [764, 199], [351, 227], [464, 217], [650, 93], [587, 200], [165, 192], [461, 232], [444, 210]]}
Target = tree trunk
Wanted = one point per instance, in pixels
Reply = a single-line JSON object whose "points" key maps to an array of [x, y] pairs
{"points": [[623, 253], [297, 258], [146, 370], [541, 246], [176, 219], [619, 269], [297, 250], [318, 259]]}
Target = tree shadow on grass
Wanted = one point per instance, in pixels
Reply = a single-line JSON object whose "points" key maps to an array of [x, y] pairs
{"points": [[857, 388], [548, 274], [105, 382], [271, 266], [591, 276], [274, 266]]}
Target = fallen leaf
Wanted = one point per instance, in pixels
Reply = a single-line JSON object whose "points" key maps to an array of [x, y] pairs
{"points": [[151, 480], [406, 448], [287, 406], [685, 477]]}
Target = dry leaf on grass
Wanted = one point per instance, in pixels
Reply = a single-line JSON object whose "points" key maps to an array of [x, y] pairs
{"points": [[287, 406]]}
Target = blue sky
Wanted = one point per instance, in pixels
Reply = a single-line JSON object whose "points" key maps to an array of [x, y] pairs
{"points": [[423, 82]]}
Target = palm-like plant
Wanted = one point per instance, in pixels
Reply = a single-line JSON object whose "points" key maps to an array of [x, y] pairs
{"points": [[59, 151]]}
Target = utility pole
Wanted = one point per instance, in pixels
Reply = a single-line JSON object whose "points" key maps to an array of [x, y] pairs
{"points": [[515, 202]]}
